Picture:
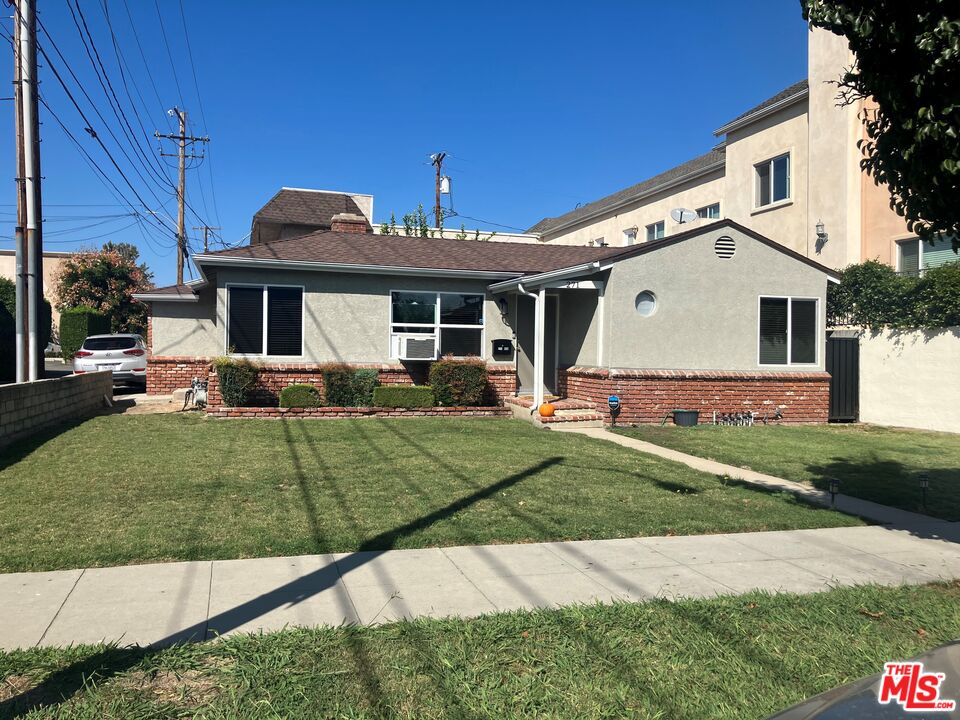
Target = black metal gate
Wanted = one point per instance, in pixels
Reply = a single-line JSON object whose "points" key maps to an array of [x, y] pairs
{"points": [[843, 364]]}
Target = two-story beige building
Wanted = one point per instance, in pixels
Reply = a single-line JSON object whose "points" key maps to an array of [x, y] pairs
{"points": [[788, 168]]}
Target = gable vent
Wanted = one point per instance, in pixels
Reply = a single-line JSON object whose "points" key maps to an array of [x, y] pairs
{"points": [[725, 247]]}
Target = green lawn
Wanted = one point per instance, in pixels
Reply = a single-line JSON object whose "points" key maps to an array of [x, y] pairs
{"points": [[737, 658], [120, 489], [874, 463]]}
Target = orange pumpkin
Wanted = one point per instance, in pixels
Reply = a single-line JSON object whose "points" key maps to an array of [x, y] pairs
{"points": [[547, 410]]}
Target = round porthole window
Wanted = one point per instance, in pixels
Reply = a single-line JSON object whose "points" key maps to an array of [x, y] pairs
{"points": [[646, 303]]}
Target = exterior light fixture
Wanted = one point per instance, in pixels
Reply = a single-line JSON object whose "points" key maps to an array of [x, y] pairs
{"points": [[504, 308], [834, 489], [821, 231]]}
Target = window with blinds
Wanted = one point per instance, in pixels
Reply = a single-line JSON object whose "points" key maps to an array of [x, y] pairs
{"points": [[788, 331], [279, 331]]}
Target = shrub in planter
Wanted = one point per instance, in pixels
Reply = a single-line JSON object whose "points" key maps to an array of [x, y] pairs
{"points": [[459, 382], [365, 382], [76, 324], [403, 396], [337, 385], [236, 378], [300, 395]]}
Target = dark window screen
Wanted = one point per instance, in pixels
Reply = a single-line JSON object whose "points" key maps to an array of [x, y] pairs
{"points": [[284, 321], [773, 331], [461, 309], [245, 320], [803, 331], [459, 342], [109, 343]]}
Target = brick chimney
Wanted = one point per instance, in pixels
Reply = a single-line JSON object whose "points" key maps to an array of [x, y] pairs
{"points": [[350, 223]]}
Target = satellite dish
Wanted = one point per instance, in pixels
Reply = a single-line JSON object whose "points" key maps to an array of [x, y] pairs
{"points": [[682, 215]]}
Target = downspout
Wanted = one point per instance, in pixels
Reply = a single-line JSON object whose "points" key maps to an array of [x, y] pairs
{"points": [[537, 348]]}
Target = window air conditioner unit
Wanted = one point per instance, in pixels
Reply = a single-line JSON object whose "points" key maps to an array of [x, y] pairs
{"points": [[413, 346]]}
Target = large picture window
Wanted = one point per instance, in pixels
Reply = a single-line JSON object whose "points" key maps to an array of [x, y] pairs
{"points": [[265, 320], [455, 318], [788, 331]]}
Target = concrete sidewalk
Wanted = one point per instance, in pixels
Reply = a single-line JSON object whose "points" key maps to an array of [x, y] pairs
{"points": [[164, 603]]}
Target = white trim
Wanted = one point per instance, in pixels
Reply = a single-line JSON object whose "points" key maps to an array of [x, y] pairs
{"points": [[162, 297], [543, 278], [762, 112], [266, 302], [659, 224], [756, 206], [601, 294], [200, 260], [817, 332], [437, 325]]}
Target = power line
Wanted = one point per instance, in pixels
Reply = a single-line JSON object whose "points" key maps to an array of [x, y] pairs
{"points": [[146, 65], [173, 66]]}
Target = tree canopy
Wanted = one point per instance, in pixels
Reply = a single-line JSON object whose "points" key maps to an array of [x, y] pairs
{"points": [[908, 62]]}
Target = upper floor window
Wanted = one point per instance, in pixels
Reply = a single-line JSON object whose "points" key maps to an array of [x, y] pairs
{"points": [[264, 320], [655, 231], [709, 212], [630, 236], [916, 255], [773, 180]]}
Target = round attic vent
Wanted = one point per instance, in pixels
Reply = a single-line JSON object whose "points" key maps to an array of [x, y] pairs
{"points": [[725, 247]]}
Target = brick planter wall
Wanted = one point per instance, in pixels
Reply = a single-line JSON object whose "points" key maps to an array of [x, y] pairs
{"points": [[355, 412], [166, 374], [647, 395]]}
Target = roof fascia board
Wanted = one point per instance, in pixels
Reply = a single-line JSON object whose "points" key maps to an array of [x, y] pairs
{"points": [[762, 112], [164, 297], [213, 260], [712, 167], [544, 278]]}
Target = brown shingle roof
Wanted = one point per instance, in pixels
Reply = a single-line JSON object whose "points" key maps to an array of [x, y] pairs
{"points": [[306, 207], [691, 167], [794, 90], [324, 246]]}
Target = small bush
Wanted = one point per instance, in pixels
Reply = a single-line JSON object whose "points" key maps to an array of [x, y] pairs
{"points": [[236, 378], [365, 382], [403, 396], [459, 382], [300, 395], [76, 325], [337, 385]]}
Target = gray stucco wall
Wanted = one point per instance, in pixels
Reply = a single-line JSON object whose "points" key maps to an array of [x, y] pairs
{"points": [[707, 307], [346, 316]]}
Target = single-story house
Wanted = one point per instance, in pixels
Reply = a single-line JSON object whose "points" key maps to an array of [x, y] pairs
{"points": [[718, 318]]}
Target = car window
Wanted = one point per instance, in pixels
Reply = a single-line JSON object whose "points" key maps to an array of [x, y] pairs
{"points": [[109, 343]]}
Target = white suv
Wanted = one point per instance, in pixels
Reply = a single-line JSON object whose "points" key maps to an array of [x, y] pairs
{"points": [[124, 355]]}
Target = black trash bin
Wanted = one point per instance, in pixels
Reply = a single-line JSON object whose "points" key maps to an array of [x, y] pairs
{"points": [[686, 418]]}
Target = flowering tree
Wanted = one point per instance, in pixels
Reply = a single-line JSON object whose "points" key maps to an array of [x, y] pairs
{"points": [[105, 280]]}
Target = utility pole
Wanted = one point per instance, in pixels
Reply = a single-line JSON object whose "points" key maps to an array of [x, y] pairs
{"points": [[206, 230], [21, 349], [437, 161], [29, 123], [182, 141]]}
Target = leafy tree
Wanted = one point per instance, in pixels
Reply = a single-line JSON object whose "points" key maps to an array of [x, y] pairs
{"points": [[908, 61], [130, 253], [104, 280], [415, 224]]}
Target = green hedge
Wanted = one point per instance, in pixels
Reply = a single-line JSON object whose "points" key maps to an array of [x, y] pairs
{"points": [[8, 328], [300, 395], [403, 396], [459, 382], [236, 378], [345, 387], [76, 325], [874, 295]]}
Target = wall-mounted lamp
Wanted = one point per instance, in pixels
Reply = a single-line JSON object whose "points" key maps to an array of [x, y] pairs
{"points": [[504, 308], [821, 232]]}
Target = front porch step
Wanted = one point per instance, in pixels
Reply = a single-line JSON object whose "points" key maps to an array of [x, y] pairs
{"points": [[580, 419], [562, 405]]}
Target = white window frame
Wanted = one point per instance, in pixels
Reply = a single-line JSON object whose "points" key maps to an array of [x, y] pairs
{"points": [[707, 207], [436, 326], [756, 182], [630, 236], [818, 330], [662, 225], [266, 300]]}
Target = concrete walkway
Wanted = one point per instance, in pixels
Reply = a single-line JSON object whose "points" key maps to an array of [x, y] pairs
{"points": [[164, 603], [852, 506]]}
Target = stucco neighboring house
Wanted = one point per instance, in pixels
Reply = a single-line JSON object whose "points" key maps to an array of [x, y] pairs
{"points": [[51, 265], [787, 168], [717, 318]]}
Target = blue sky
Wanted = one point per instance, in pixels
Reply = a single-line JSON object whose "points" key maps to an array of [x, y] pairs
{"points": [[539, 105]]}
